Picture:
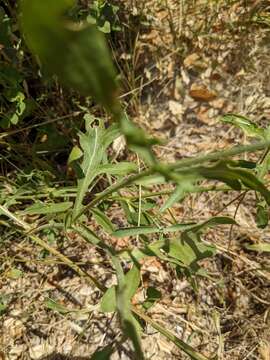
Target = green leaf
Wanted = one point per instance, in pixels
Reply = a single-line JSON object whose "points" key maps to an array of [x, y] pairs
{"points": [[104, 354], [137, 140], [108, 301], [103, 220], [76, 53], [145, 230], [132, 280], [262, 216], [249, 127], [14, 274], [123, 292], [93, 144], [44, 209], [188, 249], [55, 306], [234, 177], [119, 169], [152, 296], [75, 154], [261, 247], [184, 187]]}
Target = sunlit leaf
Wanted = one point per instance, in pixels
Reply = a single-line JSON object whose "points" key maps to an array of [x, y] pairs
{"points": [[249, 127], [94, 144], [261, 247]]}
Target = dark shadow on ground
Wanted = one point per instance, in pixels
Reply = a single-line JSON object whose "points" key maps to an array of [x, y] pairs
{"points": [[56, 356]]}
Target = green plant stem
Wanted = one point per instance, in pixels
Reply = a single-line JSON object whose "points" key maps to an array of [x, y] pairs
{"points": [[179, 165]]}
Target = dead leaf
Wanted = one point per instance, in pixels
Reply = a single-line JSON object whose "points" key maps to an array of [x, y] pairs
{"points": [[201, 93], [176, 108], [264, 350], [191, 60]]}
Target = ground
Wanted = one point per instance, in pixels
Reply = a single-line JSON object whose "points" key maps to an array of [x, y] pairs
{"points": [[192, 63]]}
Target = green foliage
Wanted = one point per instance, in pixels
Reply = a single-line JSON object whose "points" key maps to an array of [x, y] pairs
{"points": [[82, 202], [104, 15]]}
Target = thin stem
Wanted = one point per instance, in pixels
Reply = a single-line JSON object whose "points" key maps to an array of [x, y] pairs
{"points": [[182, 164]]}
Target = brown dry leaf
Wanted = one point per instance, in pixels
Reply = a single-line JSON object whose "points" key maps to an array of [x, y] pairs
{"points": [[191, 60], [264, 350], [176, 108], [201, 93]]}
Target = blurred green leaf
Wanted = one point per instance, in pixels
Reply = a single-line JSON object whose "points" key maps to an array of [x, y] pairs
{"points": [[55, 306], [14, 273], [262, 216], [261, 247], [108, 301], [138, 141], [76, 53], [184, 187], [152, 296], [104, 354], [235, 177], [120, 168]]}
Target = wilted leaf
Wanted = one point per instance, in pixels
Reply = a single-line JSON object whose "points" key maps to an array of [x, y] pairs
{"points": [[202, 93]]}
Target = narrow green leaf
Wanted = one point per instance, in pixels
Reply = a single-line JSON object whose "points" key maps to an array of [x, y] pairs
{"points": [[246, 125], [44, 209], [54, 305], [261, 247], [120, 169], [226, 172], [103, 220], [123, 292], [144, 230]]}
